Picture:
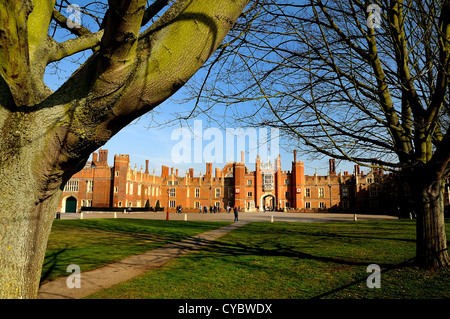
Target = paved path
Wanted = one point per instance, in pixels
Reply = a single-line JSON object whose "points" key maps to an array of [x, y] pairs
{"points": [[104, 277]]}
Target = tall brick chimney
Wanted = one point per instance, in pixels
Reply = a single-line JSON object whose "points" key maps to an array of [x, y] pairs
{"points": [[95, 158], [102, 157], [146, 166], [332, 166]]}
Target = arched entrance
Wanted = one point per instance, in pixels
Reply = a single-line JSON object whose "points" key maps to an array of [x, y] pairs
{"points": [[268, 202], [71, 205]]}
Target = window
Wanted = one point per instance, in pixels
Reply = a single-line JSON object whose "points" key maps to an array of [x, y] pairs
{"points": [[321, 192], [217, 192], [286, 194], [344, 191], [322, 205], [116, 189], [138, 203], [230, 192], [267, 181], [249, 182], [71, 186], [139, 189], [90, 186], [286, 181], [345, 205], [196, 204], [217, 204], [197, 192], [307, 205], [307, 192], [172, 204], [120, 204], [172, 193], [131, 188], [373, 191], [369, 180], [249, 194], [117, 174], [86, 203]]}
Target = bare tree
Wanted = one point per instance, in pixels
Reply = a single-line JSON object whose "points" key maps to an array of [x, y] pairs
{"points": [[365, 81], [47, 136]]}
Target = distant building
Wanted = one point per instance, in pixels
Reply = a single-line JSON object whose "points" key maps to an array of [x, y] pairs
{"points": [[266, 187]]}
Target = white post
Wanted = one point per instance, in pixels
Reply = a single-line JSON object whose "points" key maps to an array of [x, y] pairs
{"points": [[355, 218], [271, 218], [81, 215], [115, 214], [185, 216]]}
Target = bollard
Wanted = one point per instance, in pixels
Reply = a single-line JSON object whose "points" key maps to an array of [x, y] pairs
{"points": [[271, 218], [115, 214], [81, 215], [185, 216], [355, 218], [410, 216]]}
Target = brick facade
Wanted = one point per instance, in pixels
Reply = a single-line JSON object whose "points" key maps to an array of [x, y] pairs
{"points": [[100, 185]]}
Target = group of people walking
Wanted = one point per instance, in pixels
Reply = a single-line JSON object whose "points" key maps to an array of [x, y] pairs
{"points": [[212, 209], [215, 209]]}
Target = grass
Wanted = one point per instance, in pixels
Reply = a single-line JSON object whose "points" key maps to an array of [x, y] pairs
{"points": [[293, 260], [92, 243]]}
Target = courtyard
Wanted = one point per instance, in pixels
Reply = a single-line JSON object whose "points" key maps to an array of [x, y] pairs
{"points": [[325, 256]]}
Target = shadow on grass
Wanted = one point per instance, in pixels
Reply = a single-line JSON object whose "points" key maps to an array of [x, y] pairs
{"points": [[401, 265], [50, 263]]}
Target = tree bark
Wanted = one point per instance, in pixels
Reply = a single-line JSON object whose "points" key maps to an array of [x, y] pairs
{"points": [[431, 246]]}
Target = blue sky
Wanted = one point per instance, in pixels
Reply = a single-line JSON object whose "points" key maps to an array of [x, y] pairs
{"points": [[158, 144]]}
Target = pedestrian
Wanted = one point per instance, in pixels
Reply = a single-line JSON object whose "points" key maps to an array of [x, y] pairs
{"points": [[201, 209], [210, 209], [236, 215], [181, 209], [129, 210]]}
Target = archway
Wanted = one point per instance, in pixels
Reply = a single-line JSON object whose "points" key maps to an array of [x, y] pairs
{"points": [[71, 205], [268, 202]]}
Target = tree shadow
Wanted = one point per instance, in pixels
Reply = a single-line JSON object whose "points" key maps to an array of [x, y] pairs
{"points": [[50, 263], [400, 265]]}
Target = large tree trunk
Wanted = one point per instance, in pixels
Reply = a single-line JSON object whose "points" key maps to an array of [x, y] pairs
{"points": [[24, 233], [33, 169], [45, 137], [431, 247], [28, 203]]}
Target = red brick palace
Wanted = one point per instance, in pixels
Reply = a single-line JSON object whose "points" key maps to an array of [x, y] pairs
{"points": [[101, 185]]}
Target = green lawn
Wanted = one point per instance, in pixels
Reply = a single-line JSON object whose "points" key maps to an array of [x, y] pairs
{"points": [[293, 260], [92, 243]]}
